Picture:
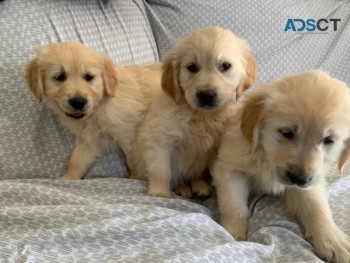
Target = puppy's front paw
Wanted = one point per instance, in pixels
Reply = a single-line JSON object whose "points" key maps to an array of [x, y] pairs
{"points": [[184, 191], [201, 188], [333, 246], [237, 228]]}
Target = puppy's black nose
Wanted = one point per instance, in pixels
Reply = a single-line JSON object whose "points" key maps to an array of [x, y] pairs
{"points": [[298, 179], [206, 98], [78, 103]]}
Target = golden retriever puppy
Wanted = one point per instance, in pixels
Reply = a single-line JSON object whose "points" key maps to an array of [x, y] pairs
{"points": [[282, 140], [202, 76], [100, 103]]}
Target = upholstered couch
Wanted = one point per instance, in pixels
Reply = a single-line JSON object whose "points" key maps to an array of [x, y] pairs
{"points": [[107, 217]]}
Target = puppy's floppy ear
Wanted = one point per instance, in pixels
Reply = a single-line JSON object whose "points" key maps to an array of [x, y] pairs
{"points": [[344, 156], [34, 79], [249, 79], [109, 77], [252, 116], [170, 81]]}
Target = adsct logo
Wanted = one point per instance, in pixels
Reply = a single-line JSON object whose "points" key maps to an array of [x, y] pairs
{"points": [[311, 25]]}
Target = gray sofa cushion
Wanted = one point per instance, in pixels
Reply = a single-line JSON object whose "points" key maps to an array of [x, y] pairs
{"points": [[32, 143], [262, 23]]}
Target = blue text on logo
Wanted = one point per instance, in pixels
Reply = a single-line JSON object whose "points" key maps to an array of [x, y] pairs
{"points": [[311, 25]]}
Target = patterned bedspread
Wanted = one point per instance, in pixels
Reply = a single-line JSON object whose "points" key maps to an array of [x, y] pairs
{"points": [[112, 220]]}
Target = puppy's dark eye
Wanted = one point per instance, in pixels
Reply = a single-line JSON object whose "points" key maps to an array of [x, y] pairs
{"points": [[192, 68], [224, 67], [61, 77], [286, 133], [88, 77], [328, 140]]}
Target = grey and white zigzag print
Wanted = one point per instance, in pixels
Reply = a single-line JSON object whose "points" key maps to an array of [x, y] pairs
{"points": [[112, 220]]}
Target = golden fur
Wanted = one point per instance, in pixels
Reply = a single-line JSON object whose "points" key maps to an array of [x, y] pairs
{"points": [[283, 139], [116, 98], [177, 141]]}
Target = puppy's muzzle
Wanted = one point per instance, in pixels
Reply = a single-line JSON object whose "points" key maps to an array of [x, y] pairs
{"points": [[298, 179], [78, 104], [206, 98]]}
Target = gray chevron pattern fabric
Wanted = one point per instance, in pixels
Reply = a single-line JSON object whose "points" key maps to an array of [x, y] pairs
{"points": [[112, 219]]}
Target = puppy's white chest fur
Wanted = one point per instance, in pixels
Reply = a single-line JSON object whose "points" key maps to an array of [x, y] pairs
{"points": [[262, 176], [108, 127], [265, 182], [195, 142], [193, 150]]}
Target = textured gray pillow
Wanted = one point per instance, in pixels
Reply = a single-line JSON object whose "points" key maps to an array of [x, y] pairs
{"points": [[32, 143], [262, 23]]}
